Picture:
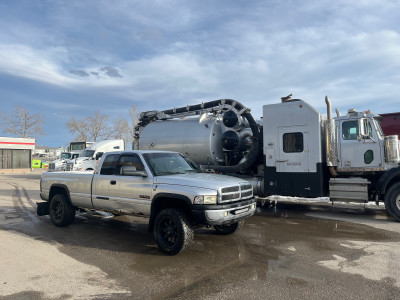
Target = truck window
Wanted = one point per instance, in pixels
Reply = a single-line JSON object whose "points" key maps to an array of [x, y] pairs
{"points": [[87, 153], [66, 155], [293, 142], [350, 130], [110, 164], [130, 160]]}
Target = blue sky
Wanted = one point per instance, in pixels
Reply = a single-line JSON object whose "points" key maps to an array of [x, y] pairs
{"points": [[69, 58]]}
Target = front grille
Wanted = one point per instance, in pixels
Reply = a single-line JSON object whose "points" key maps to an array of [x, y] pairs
{"points": [[64, 167], [231, 196], [235, 193], [230, 189], [247, 187], [246, 194]]}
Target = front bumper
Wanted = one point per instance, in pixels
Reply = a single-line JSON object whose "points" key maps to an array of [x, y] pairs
{"points": [[224, 214]]}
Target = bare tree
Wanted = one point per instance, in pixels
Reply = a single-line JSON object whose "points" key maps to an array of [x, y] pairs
{"points": [[22, 123], [97, 127], [92, 128], [120, 129]]}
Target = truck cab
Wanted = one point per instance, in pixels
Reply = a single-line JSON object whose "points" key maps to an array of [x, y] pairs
{"points": [[89, 158], [64, 163], [361, 143]]}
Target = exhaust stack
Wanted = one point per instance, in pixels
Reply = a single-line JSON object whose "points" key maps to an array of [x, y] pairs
{"points": [[331, 141]]}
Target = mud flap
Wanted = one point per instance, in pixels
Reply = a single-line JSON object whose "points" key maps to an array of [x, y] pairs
{"points": [[43, 208]]}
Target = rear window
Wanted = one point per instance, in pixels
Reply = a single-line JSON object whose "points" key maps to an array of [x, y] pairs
{"points": [[130, 160]]}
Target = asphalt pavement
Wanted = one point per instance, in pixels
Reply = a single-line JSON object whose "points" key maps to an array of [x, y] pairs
{"points": [[293, 250]]}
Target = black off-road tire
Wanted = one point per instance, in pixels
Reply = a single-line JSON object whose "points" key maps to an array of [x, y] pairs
{"points": [[62, 213], [392, 201], [229, 229], [173, 231]]}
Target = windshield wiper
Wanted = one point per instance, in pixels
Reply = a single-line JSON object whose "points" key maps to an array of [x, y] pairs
{"points": [[170, 173]]}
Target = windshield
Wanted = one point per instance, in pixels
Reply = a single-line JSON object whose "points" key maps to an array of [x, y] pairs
{"points": [[87, 153], [378, 126], [66, 155], [170, 163]]}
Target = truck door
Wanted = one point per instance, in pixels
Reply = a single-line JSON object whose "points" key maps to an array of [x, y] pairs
{"points": [[356, 151], [104, 183], [116, 192], [292, 164], [133, 194]]}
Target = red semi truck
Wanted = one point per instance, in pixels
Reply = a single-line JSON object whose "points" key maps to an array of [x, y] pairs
{"points": [[391, 123]]}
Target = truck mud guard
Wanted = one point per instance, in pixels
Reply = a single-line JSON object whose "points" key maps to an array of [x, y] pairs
{"points": [[42, 208]]}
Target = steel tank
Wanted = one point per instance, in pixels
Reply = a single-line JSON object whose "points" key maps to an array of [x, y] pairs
{"points": [[198, 138], [392, 148]]}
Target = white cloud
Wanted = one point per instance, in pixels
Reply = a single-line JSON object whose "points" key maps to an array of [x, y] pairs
{"points": [[48, 65], [21, 60], [196, 51]]}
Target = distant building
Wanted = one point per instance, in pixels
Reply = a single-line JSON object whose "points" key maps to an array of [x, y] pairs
{"points": [[16, 154]]}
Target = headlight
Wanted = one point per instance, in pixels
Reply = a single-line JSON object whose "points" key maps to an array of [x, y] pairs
{"points": [[205, 200]]}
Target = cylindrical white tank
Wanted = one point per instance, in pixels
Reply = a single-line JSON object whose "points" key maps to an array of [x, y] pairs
{"points": [[392, 148], [197, 138]]}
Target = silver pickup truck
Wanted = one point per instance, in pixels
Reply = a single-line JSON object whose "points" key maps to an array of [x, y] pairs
{"points": [[164, 186]]}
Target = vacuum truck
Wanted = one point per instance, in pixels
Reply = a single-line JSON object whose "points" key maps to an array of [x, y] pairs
{"points": [[294, 150]]}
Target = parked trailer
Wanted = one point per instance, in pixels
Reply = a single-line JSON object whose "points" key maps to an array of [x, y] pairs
{"points": [[293, 151], [390, 123]]}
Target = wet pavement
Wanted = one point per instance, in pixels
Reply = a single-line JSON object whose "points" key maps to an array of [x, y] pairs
{"points": [[291, 250]]}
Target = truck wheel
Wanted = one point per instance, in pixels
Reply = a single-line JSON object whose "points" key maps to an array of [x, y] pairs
{"points": [[173, 231], [229, 229], [392, 201], [62, 213]]}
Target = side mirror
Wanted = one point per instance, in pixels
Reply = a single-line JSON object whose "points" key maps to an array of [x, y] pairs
{"points": [[131, 171], [364, 130], [361, 137]]}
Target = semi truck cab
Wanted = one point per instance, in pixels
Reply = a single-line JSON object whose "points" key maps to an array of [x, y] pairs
{"points": [[361, 142]]}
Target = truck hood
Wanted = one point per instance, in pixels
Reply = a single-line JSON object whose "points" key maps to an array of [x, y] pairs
{"points": [[200, 180], [80, 159], [61, 161]]}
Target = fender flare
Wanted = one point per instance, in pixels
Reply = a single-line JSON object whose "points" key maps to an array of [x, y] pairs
{"points": [[384, 180], [63, 186], [154, 205]]}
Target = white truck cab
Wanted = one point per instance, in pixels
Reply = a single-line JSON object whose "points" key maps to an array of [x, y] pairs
{"points": [[89, 158], [361, 143], [64, 163]]}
